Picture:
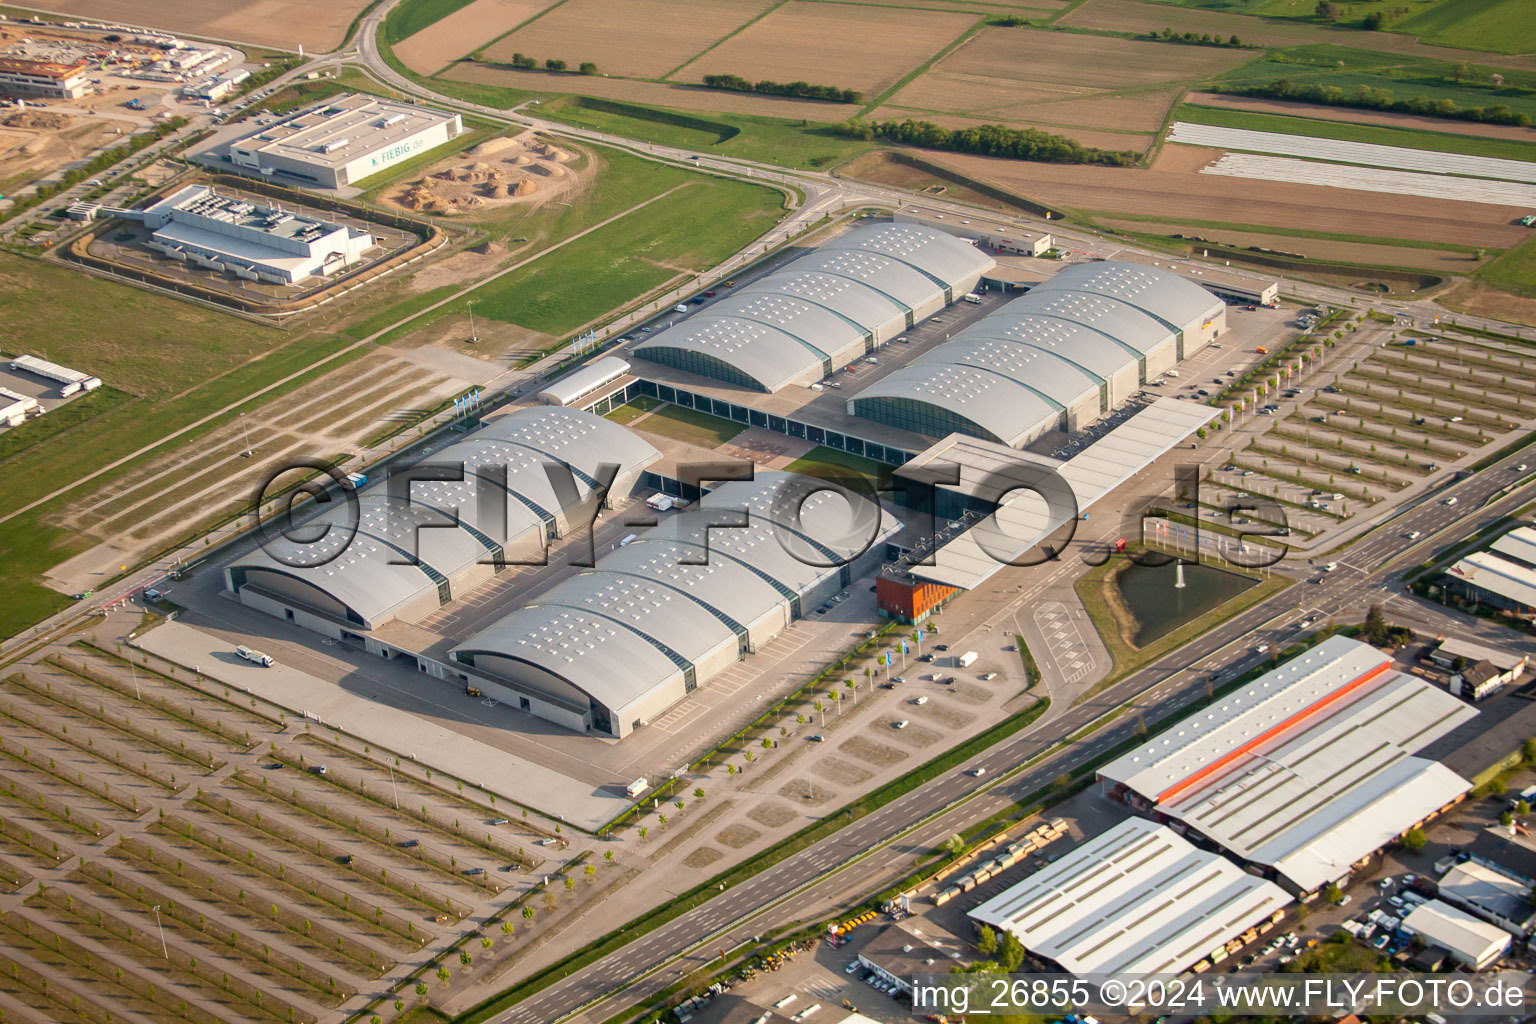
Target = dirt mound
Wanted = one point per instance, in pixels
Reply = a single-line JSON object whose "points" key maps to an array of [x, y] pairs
{"points": [[420, 197], [37, 119], [490, 147], [525, 188], [497, 191], [522, 160], [34, 147]]}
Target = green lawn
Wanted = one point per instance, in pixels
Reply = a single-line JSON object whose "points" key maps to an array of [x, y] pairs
{"points": [[824, 456], [411, 16], [692, 426], [690, 229], [1514, 271], [1439, 142], [1498, 26], [631, 411]]}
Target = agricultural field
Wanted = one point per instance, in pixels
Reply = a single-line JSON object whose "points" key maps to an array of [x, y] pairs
{"points": [[179, 854], [1057, 80], [317, 25], [674, 33], [1498, 26], [1174, 189], [443, 42], [808, 41]]}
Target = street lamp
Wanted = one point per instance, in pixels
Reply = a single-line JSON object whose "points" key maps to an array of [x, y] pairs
{"points": [[164, 951], [245, 428], [474, 339], [392, 789]]}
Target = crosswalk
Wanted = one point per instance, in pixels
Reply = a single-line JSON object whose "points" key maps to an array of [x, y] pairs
{"points": [[1068, 650]]}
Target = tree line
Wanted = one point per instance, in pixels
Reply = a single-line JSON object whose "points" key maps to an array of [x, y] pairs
{"points": [[990, 140], [520, 60], [801, 90], [1168, 35], [1370, 98]]}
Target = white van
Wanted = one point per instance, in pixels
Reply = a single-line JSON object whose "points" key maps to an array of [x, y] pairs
{"points": [[1450, 501], [681, 307]]}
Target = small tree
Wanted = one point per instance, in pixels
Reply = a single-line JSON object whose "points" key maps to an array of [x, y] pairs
{"points": [[1522, 808], [1506, 819], [1332, 893], [954, 845], [1011, 955], [443, 974], [986, 941], [1414, 840], [554, 64], [588, 68]]}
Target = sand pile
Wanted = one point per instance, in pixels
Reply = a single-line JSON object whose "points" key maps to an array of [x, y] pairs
{"points": [[36, 119], [420, 197], [490, 147], [498, 191], [524, 188]]}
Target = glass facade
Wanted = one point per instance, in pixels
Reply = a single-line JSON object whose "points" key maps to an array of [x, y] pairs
{"points": [[920, 417], [705, 366]]}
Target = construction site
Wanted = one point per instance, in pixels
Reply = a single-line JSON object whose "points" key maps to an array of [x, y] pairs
{"points": [[496, 173]]}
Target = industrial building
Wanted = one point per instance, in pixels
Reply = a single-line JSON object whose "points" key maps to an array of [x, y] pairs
{"points": [[15, 408], [824, 310], [43, 78], [1070, 350], [1504, 576], [344, 140], [1137, 899], [677, 604], [344, 585], [1491, 893], [197, 225], [218, 87], [70, 381], [1305, 772], [897, 956], [1468, 940], [588, 384], [1003, 238]]}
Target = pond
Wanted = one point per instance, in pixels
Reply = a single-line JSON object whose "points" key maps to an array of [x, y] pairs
{"points": [[1150, 594]]}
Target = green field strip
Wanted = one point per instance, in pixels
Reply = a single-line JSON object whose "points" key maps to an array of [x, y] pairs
{"points": [[515, 28], [729, 35], [925, 66]]}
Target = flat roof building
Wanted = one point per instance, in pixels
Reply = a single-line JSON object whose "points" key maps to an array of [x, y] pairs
{"points": [[1065, 353], [587, 381], [15, 408], [1305, 772], [1494, 895], [1468, 940], [896, 955], [70, 381], [1487, 577], [344, 140], [43, 78], [206, 228], [1137, 899], [823, 311], [1004, 238]]}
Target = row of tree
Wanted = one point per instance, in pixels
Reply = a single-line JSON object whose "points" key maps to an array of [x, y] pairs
{"points": [[527, 63], [1370, 98], [1168, 35], [801, 90], [990, 140]]}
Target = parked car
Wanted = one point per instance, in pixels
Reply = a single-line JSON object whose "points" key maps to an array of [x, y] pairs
{"points": [[900, 725], [817, 738]]}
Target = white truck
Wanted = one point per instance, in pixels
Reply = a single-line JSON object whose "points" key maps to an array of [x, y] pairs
{"points": [[967, 659], [972, 298], [256, 657], [637, 787]]}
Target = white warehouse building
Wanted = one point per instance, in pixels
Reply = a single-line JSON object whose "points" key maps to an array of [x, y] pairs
{"points": [[198, 225], [1057, 358], [1137, 899], [344, 140], [615, 646], [824, 310], [1305, 772], [508, 512]]}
